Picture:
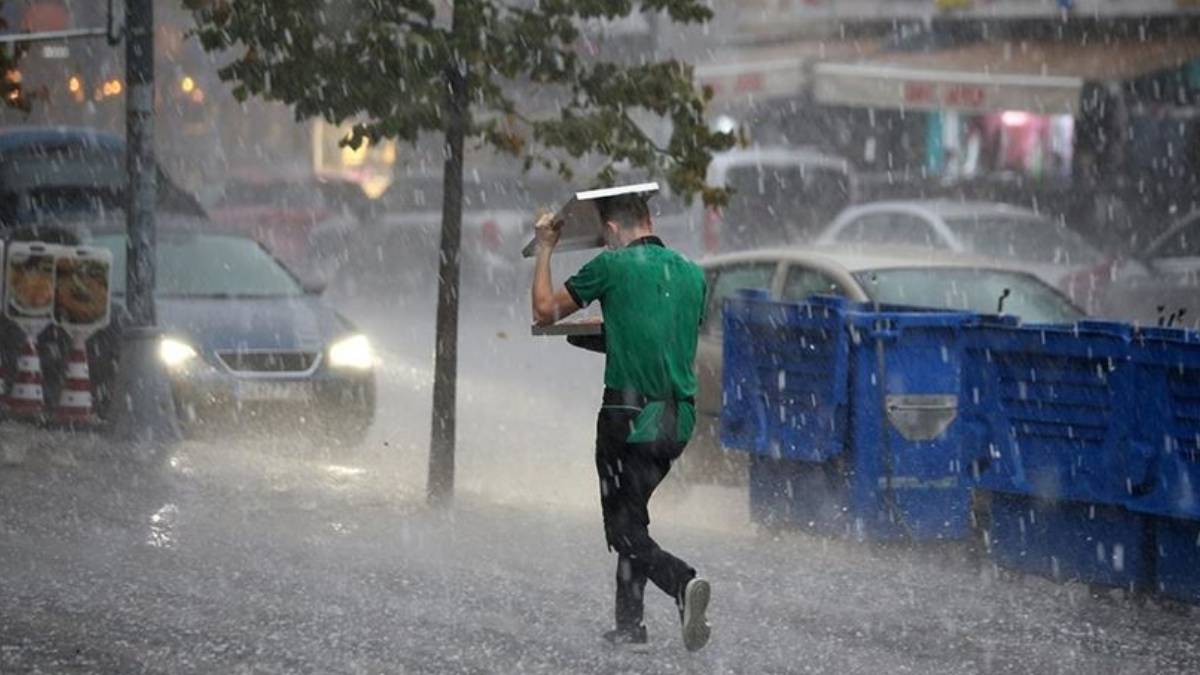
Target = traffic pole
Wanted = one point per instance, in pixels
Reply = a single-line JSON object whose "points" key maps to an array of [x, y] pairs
{"points": [[143, 409], [139, 160]]}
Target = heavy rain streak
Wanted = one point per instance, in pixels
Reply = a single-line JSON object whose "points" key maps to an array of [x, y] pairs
{"points": [[892, 305]]}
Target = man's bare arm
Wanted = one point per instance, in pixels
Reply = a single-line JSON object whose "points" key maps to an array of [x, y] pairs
{"points": [[549, 306]]}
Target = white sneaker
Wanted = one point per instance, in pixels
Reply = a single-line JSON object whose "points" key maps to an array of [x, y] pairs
{"points": [[696, 630]]}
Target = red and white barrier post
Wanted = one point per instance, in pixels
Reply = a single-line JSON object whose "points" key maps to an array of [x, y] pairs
{"points": [[26, 398], [75, 400]]}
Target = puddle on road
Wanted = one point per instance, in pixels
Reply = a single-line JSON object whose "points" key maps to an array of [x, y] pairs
{"points": [[162, 527]]}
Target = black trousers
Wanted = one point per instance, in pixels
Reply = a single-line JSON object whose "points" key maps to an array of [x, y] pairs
{"points": [[629, 473]]}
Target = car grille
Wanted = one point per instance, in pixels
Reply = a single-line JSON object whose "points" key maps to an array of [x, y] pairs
{"points": [[268, 362]]}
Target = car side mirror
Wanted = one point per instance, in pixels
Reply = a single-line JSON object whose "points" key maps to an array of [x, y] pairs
{"points": [[313, 287]]}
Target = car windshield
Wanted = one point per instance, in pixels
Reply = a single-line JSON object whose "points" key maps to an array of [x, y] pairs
{"points": [[970, 289], [1029, 239], [208, 266]]}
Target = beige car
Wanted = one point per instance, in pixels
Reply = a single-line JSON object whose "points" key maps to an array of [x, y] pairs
{"points": [[895, 275]]}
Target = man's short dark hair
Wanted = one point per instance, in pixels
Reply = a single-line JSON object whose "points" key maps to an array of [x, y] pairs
{"points": [[627, 211]]}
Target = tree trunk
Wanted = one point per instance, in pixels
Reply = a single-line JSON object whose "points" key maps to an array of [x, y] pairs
{"points": [[445, 365]]}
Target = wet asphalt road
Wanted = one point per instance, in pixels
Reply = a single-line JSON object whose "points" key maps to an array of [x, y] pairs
{"points": [[264, 555]]}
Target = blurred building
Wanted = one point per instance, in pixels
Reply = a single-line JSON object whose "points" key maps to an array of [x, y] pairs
{"points": [[71, 83], [1018, 100], [1019, 97], [201, 130]]}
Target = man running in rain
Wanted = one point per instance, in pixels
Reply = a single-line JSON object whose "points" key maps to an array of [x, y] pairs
{"points": [[653, 301]]}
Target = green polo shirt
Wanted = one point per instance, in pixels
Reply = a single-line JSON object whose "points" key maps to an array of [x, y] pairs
{"points": [[653, 301]]}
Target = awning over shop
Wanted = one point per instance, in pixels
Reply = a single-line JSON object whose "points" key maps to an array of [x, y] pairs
{"points": [[1042, 77], [778, 72]]}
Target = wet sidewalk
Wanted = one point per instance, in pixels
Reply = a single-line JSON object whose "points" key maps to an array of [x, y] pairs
{"points": [[245, 560]]}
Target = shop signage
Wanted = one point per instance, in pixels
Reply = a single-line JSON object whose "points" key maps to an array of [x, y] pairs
{"points": [[778, 78], [883, 86]]}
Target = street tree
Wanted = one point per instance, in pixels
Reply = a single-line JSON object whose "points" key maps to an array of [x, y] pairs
{"points": [[467, 70]]}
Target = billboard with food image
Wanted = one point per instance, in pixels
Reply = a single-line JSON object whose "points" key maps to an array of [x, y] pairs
{"points": [[29, 281], [82, 293]]}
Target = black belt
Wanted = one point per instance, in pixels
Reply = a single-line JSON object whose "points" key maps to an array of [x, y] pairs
{"points": [[635, 399]]}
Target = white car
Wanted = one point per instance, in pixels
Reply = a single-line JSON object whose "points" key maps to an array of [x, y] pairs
{"points": [[781, 195], [401, 246], [922, 279], [1018, 237]]}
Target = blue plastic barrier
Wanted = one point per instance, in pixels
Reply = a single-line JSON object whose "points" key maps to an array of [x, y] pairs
{"points": [[853, 415], [1052, 415], [1177, 558], [1167, 442], [1051, 408], [1071, 541], [785, 378], [1166, 438], [742, 423], [875, 422]]}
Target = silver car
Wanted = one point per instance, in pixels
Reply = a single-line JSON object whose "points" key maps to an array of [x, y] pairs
{"points": [[1177, 251], [1170, 293], [1017, 237]]}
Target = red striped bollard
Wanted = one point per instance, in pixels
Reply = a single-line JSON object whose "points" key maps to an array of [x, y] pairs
{"points": [[3, 379], [75, 401], [25, 398]]}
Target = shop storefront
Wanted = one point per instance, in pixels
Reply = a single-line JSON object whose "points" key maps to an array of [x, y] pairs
{"points": [[1043, 110], [766, 91]]}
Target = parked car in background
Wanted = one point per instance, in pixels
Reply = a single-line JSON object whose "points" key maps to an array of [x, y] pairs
{"points": [[1177, 251], [890, 275], [781, 195], [1171, 293], [400, 248], [1022, 238], [54, 173], [246, 344], [307, 221]]}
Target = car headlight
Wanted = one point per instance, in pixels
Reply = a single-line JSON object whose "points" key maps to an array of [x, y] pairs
{"points": [[175, 353], [352, 352]]}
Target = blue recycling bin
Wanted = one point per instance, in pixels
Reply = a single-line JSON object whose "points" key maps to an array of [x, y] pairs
{"points": [[1051, 407], [1052, 414], [848, 412], [1071, 541], [784, 384], [1177, 558], [876, 422], [1166, 442]]}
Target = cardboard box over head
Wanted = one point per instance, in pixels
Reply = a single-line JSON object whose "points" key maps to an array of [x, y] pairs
{"points": [[580, 217]]}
